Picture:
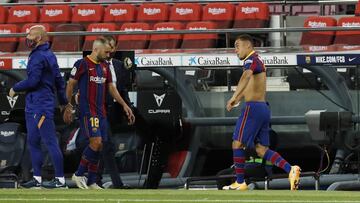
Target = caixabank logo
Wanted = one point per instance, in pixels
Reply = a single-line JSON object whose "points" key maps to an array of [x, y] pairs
{"points": [[154, 61], [275, 60], [208, 61]]}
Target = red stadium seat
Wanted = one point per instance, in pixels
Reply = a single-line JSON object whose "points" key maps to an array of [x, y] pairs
{"points": [[23, 14], [97, 27], [222, 14], [153, 13], [252, 15], [55, 14], [8, 44], [3, 14], [131, 42], [315, 48], [357, 9], [348, 37], [87, 13], [175, 162], [25, 29], [340, 47], [318, 38], [68, 43], [120, 13], [185, 12], [199, 41], [166, 41]]}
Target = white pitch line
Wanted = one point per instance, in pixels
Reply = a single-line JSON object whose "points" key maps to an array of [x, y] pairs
{"points": [[179, 200]]}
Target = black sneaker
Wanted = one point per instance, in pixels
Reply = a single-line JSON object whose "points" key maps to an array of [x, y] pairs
{"points": [[123, 186], [54, 183], [33, 183]]}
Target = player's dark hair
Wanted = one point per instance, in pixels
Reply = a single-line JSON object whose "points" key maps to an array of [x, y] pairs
{"points": [[245, 37], [109, 38], [102, 40]]}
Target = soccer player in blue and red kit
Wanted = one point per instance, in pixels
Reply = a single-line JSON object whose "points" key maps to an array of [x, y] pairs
{"points": [[93, 77], [252, 127], [43, 80]]}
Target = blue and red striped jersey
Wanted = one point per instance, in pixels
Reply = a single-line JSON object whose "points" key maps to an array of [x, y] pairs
{"points": [[254, 63], [93, 79]]}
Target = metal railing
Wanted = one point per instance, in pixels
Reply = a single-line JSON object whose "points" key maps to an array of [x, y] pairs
{"points": [[210, 31]]}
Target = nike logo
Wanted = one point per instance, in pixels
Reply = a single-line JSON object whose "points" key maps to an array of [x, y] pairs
{"points": [[91, 68], [351, 59]]}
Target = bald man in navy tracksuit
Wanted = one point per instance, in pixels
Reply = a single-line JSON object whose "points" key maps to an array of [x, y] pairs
{"points": [[43, 80]]}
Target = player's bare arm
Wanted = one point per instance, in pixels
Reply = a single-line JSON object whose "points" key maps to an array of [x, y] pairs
{"points": [[239, 92], [69, 107], [115, 94]]}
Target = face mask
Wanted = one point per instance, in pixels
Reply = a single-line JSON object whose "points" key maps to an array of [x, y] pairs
{"points": [[30, 43]]}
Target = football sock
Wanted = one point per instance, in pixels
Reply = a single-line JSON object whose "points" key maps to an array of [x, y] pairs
{"points": [[277, 160], [239, 162]]}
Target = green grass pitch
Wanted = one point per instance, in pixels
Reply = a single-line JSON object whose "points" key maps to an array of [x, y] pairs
{"points": [[89, 196]]}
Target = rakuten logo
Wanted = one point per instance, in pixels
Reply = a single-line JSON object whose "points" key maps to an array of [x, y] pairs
{"points": [[133, 29], [351, 24], [97, 29], [86, 12], [318, 48], [97, 79], [217, 11], [53, 12], [5, 31], [198, 28], [21, 13], [165, 28], [248, 10], [118, 12], [152, 11], [184, 11], [351, 47], [315, 24]]}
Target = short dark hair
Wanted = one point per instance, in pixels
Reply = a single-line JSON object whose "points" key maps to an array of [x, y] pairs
{"points": [[109, 38], [100, 40], [245, 37]]}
